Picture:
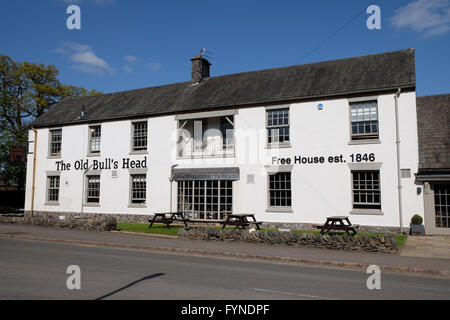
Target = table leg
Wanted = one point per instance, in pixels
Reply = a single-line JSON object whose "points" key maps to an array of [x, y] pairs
{"points": [[225, 223], [151, 223]]}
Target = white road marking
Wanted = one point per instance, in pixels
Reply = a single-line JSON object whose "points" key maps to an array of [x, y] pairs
{"points": [[292, 294]]}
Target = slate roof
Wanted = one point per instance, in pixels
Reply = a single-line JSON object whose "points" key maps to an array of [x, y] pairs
{"points": [[433, 124], [366, 74]]}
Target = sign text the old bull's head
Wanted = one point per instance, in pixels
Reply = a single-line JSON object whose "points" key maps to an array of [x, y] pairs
{"points": [[104, 164]]}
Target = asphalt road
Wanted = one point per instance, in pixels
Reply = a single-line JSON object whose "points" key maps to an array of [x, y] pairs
{"points": [[37, 270]]}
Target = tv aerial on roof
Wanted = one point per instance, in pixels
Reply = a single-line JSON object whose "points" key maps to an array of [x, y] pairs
{"points": [[205, 53]]}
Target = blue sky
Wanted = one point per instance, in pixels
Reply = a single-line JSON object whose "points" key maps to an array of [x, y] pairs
{"points": [[133, 44]]}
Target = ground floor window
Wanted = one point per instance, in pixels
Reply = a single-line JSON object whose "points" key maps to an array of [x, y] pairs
{"points": [[93, 189], [442, 205], [205, 199], [366, 190], [280, 194], [138, 188], [53, 189]]}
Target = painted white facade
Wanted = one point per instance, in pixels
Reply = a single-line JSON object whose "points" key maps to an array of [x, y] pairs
{"points": [[318, 190]]}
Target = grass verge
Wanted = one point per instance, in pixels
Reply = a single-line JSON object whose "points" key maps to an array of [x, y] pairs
{"points": [[173, 231]]}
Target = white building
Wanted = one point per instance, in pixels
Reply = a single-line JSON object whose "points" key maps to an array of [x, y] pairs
{"points": [[293, 145]]}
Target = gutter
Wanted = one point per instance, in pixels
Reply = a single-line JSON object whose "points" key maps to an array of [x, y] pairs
{"points": [[432, 177], [33, 185], [399, 174]]}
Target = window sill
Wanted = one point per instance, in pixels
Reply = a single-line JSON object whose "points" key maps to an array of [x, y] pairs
{"points": [[137, 206], [368, 212], [280, 210], [92, 155], [138, 152], [368, 141], [279, 146], [51, 204], [92, 205], [53, 157]]}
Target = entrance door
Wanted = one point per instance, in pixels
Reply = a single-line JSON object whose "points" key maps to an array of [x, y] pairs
{"points": [[437, 209]]}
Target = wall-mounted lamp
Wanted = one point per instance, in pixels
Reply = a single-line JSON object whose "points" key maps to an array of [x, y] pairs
{"points": [[320, 106]]}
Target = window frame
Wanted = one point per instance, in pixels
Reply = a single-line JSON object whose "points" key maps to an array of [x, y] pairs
{"points": [[225, 190], [134, 149], [369, 208], [268, 127], [86, 197], [275, 208], [90, 151], [50, 143], [49, 188], [363, 138], [144, 202]]}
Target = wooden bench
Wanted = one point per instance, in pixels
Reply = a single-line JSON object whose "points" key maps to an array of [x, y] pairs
{"points": [[241, 220], [338, 224], [162, 218]]}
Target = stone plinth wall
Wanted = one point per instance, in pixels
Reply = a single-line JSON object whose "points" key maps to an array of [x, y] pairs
{"points": [[105, 224], [384, 244], [48, 215]]}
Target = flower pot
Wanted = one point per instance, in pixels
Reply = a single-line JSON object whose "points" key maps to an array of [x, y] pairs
{"points": [[416, 230]]}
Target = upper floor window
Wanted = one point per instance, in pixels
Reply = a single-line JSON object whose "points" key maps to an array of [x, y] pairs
{"points": [[55, 142], [278, 126], [139, 139], [95, 133], [364, 117]]}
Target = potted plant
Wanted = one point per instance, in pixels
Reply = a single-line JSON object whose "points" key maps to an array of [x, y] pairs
{"points": [[416, 225]]}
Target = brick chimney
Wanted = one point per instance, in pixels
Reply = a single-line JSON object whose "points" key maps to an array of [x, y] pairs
{"points": [[200, 69]]}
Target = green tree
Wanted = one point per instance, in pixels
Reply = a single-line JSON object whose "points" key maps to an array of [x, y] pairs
{"points": [[27, 90]]}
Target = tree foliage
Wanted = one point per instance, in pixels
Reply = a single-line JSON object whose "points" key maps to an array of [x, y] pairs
{"points": [[27, 90]]}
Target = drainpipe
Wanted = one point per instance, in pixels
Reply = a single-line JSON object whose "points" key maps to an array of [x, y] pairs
{"points": [[171, 182], [33, 185], [399, 173]]}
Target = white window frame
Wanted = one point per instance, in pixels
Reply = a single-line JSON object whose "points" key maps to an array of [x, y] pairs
{"points": [[278, 144], [280, 208], [90, 140], [371, 207], [134, 149], [364, 138], [132, 199], [49, 188], [51, 154], [203, 184], [87, 189]]}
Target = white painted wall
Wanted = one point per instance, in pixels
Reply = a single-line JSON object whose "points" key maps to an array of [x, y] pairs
{"points": [[318, 190]]}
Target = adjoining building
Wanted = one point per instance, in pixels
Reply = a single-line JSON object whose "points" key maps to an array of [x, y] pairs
{"points": [[433, 121], [293, 145]]}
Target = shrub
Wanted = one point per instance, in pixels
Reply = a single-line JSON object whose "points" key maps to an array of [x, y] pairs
{"points": [[416, 219]]}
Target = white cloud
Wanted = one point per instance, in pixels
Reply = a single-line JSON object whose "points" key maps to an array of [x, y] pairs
{"points": [[84, 58], [154, 66], [127, 68], [428, 17], [130, 59]]}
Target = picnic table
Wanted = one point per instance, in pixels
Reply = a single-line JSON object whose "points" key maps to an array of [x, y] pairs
{"points": [[338, 223], [241, 220], [173, 216]]}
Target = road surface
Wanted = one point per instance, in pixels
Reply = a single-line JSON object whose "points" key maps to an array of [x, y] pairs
{"points": [[37, 270]]}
